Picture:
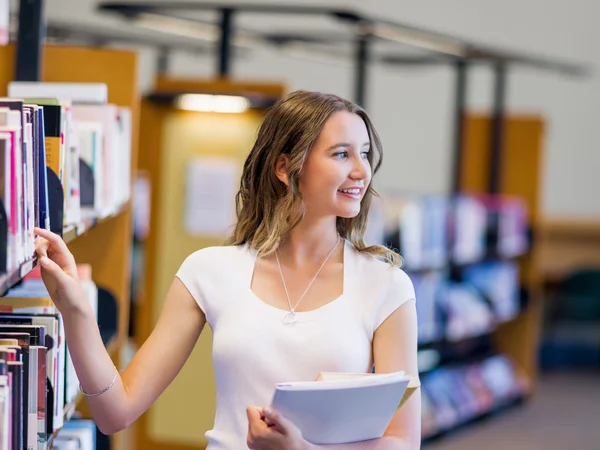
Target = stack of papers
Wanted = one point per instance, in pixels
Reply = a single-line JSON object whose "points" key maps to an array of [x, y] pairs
{"points": [[339, 408]]}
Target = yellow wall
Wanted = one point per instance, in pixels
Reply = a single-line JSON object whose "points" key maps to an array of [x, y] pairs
{"points": [[185, 411]]}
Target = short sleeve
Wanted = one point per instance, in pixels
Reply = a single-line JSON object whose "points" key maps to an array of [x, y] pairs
{"points": [[190, 273], [400, 290]]}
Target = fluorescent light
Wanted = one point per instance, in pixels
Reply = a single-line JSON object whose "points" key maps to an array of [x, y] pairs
{"points": [[179, 27], [213, 103], [190, 29], [418, 39]]}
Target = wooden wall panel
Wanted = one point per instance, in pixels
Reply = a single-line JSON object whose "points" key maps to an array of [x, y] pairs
{"points": [[522, 163]]}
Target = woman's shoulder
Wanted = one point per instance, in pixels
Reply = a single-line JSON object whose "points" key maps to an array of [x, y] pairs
{"points": [[374, 268], [214, 256]]}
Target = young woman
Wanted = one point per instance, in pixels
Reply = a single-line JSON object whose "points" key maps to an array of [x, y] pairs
{"points": [[295, 292]]}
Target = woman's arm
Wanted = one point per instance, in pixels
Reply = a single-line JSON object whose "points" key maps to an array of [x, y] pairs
{"points": [[151, 370], [395, 349], [153, 367]]}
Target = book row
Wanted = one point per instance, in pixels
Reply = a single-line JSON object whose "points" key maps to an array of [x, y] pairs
{"points": [[452, 396], [433, 231], [76, 434], [62, 159], [487, 294], [38, 382]]}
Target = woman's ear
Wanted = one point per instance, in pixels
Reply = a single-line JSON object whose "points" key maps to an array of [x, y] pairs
{"points": [[281, 169]]}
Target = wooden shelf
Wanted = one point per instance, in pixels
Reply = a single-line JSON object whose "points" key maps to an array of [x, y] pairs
{"points": [[68, 414], [9, 279], [112, 347], [498, 408], [72, 232], [490, 257]]}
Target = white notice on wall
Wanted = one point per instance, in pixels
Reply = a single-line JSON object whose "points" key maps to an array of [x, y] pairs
{"points": [[210, 188]]}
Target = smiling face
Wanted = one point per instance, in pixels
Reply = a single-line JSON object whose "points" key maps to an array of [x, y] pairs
{"points": [[337, 171]]}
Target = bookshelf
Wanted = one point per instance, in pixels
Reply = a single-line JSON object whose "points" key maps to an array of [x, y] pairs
{"points": [[474, 259], [523, 156], [103, 243]]}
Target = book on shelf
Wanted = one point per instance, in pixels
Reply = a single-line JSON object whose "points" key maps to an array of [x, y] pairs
{"points": [[100, 135], [45, 381], [487, 294], [428, 287], [46, 137], [467, 313], [499, 282], [469, 219], [451, 396], [77, 434], [4, 22], [436, 231], [331, 409]]}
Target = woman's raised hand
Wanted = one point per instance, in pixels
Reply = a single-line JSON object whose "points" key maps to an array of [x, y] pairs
{"points": [[59, 271]]}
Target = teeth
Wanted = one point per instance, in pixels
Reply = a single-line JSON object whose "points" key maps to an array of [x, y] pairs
{"points": [[351, 191]]}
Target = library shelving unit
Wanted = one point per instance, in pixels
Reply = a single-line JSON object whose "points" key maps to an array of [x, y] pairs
{"points": [[522, 161], [517, 338], [103, 243]]}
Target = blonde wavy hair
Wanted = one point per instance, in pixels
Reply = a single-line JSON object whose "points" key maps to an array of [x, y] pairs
{"points": [[267, 209]]}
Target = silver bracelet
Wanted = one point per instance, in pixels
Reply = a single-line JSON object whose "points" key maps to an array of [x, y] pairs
{"points": [[103, 390]]}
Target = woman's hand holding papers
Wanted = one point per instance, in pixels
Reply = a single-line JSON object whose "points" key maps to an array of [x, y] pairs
{"points": [[269, 430]]}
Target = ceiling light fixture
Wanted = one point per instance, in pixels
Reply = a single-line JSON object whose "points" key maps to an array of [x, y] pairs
{"points": [[418, 39], [190, 29], [212, 103]]}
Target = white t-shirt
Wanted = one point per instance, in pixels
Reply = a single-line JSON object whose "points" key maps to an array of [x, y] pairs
{"points": [[253, 349]]}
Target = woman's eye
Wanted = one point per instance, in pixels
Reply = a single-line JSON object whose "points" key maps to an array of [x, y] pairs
{"points": [[365, 154], [341, 155]]}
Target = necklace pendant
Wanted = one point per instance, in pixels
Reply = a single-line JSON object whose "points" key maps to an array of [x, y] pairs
{"points": [[289, 319]]}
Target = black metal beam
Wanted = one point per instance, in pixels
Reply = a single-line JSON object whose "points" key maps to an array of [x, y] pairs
{"points": [[132, 8], [224, 61], [361, 63], [29, 40], [460, 101], [162, 61], [412, 60], [497, 131]]}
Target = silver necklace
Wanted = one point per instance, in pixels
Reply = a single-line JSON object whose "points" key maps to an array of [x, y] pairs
{"points": [[290, 318]]}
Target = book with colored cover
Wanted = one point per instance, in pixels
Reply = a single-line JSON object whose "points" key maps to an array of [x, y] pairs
{"points": [[340, 408]]}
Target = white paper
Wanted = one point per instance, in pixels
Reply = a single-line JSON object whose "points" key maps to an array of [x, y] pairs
{"points": [[333, 412], [210, 189]]}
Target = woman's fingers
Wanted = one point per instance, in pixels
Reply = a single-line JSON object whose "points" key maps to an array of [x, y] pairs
{"points": [[54, 247], [52, 268], [41, 246], [54, 239]]}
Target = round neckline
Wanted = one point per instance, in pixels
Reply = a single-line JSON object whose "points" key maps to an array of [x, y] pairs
{"points": [[338, 299]]}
